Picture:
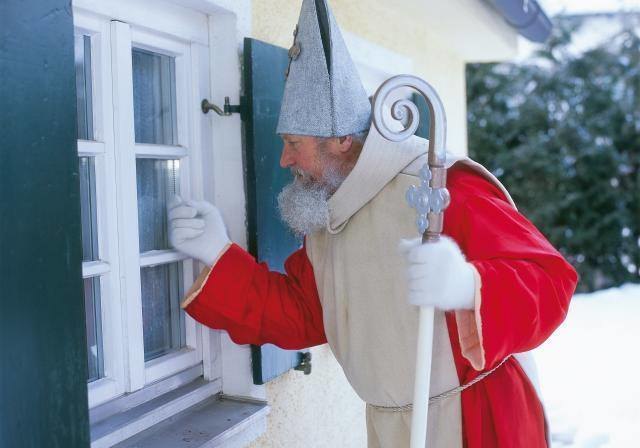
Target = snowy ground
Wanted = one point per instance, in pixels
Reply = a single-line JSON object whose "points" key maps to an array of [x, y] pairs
{"points": [[589, 372]]}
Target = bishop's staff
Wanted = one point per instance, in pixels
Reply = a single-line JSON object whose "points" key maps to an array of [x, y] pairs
{"points": [[429, 199]]}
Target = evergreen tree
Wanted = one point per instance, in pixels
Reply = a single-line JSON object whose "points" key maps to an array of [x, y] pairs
{"points": [[562, 132]]}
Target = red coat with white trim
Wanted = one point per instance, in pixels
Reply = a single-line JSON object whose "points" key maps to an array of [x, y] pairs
{"points": [[526, 286]]}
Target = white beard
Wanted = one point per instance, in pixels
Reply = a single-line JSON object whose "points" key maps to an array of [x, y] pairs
{"points": [[304, 203]]}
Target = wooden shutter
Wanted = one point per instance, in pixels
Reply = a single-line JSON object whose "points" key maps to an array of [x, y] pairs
{"points": [[43, 386], [269, 239]]}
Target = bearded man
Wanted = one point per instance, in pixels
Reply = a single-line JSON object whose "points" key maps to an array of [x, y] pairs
{"points": [[499, 287]]}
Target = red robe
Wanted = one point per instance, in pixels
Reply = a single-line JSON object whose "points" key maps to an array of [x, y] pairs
{"points": [[526, 286]]}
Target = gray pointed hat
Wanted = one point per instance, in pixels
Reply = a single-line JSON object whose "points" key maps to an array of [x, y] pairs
{"points": [[323, 94]]}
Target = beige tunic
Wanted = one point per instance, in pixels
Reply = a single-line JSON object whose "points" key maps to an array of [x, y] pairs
{"points": [[360, 278]]}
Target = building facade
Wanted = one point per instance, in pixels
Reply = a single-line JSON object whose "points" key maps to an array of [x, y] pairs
{"points": [[153, 376]]}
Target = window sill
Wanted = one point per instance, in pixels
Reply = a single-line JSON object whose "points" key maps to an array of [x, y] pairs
{"points": [[190, 416]]}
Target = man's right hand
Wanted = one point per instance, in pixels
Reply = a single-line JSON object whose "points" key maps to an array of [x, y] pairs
{"points": [[196, 228]]}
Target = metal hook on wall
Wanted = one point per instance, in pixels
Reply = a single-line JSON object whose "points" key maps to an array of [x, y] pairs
{"points": [[226, 110]]}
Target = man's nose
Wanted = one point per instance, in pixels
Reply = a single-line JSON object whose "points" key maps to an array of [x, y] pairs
{"points": [[285, 158]]}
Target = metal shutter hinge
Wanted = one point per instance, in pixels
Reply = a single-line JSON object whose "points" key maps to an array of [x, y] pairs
{"points": [[227, 109], [304, 363]]}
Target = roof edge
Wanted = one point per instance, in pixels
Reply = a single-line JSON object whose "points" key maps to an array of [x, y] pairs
{"points": [[526, 16]]}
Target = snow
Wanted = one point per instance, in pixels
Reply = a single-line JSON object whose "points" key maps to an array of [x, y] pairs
{"points": [[588, 371]]}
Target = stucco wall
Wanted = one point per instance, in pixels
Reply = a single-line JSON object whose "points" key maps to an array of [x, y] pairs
{"points": [[438, 37], [317, 410]]}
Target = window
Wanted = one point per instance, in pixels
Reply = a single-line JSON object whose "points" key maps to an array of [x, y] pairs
{"points": [[137, 140]]}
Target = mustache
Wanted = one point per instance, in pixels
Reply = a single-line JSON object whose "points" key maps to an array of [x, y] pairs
{"points": [[330, 180], [302, 175]]}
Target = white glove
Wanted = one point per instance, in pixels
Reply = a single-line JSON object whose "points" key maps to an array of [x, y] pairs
{"points": [[196, 228], [438, 274]]}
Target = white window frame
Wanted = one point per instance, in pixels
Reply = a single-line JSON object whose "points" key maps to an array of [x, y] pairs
{"points": [[119, 262], [108, 265], [217, 167], [124, 37]]}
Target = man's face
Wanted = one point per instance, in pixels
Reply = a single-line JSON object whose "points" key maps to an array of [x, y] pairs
{"points": [[302, 153], [316, 164], [316, 160]]}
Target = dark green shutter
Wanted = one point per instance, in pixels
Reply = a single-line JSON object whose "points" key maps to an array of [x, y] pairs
{"points": [[43, 355], [269, 239]]}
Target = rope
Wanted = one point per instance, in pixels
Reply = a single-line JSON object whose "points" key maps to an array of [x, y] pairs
{"points": [[442, 396]]}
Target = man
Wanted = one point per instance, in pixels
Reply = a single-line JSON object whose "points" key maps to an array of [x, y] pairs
{"points": [[498, 285]]}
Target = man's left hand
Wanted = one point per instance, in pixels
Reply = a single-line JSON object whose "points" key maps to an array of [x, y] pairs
{"points": [[438, 274]]}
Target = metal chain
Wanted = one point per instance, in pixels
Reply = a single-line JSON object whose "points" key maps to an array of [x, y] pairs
{"points": [[444, 395]]}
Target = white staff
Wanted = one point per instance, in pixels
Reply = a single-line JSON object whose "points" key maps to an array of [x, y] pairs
{"points": [[429, 199]]}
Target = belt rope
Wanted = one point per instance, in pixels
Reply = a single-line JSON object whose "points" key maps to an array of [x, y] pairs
{"points": [[443, 395]]}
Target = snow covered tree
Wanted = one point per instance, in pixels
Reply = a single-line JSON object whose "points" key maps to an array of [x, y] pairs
{"points": [[562, 132]]}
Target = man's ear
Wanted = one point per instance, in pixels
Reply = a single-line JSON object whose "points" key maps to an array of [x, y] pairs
{"points": [[344, 143]]}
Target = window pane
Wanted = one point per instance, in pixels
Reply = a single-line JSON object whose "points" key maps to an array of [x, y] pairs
{"points": [[83, 87], [94, 328], [157, 181], [154, 98], [163, 320], [88, 209]]}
